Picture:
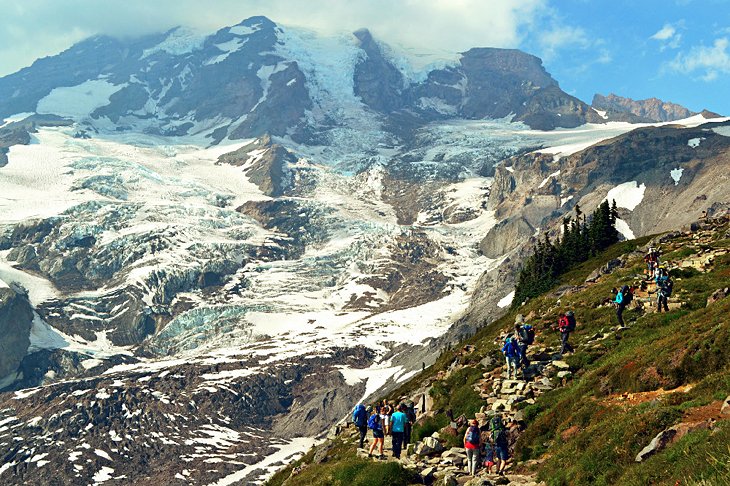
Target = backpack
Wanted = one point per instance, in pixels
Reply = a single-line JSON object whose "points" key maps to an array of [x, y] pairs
{"points": [[411, 412], [571, 321], [359, 416], [563, 323], [498, 431], [374, 422], [627, 294], [472, 436], [529, 334]]}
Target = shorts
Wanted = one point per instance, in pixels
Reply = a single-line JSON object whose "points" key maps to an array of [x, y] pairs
{"points": [[378, 434], [501, 451]]}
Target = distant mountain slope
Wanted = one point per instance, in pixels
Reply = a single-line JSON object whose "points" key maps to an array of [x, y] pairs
{"points": [[651, 109]]}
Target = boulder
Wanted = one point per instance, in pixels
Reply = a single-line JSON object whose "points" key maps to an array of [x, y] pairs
{"points": [[562, 365], [479, 482], [427, 473], [670, 436], [428, 446], [564, 374], [717, 295]]}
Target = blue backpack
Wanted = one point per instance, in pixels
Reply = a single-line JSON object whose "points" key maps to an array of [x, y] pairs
{"points": [[473, 436], [374, 422], [360, 416]]}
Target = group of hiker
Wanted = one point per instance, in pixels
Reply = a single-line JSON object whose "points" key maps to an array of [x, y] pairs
{"points": [[515, 347], [494, 449], [488, 445], [385, 419], [655, 272]]}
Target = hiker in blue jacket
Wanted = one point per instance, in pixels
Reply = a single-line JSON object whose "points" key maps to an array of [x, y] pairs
{"points": [[623, 297], [511, 354], [664, 286], [360, 419]]}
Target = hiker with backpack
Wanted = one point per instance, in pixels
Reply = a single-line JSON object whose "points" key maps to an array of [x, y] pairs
{"points": [[525, 336], [376, 425], [664, 286], [498, 434], [472, 444], [566, 325], [397, 429], [360, 419], [410, 412], [623, 298], [511, 354], [652, 261]]}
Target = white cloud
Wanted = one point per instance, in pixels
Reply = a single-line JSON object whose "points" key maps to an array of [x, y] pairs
{"points": [[561, 37], [709, 61], [35, 28], [669, 36], [666, 32]]}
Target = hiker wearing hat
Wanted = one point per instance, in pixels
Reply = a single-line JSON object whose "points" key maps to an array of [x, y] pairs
{"points": [[472, 444]]}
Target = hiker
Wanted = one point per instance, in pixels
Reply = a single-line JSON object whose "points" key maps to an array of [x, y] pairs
{"points": [[385, 416], [566, 325], [472, 444], [652, 261], [511, 355], [501, 445], [664, 289], [525, 336], [375, 424], [623, 299], [397, 429], [360, 419], [411, 415], [488, 456]]}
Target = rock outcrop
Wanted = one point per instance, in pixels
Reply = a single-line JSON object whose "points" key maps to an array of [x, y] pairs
{"points": [[651, 109], [16, 316]]}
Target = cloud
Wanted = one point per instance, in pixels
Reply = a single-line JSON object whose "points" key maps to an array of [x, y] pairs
{"points": [[666, 32], [669, 36], [709, 61], [561, 37], [35, 28]]}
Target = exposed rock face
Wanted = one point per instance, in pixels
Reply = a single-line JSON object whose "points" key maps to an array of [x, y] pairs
{"points": [[506, 236], [377, 82], [265, 163], [651, 109], [495, 83], [16, 316]]}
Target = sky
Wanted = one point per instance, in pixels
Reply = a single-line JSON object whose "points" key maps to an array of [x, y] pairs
{"points": [[675, 50]]}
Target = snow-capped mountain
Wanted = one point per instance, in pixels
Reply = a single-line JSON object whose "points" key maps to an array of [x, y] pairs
{"points": [[212, 246]]}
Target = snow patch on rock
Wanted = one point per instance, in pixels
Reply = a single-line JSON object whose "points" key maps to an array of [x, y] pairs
{"points": [[623, 228], [694, 142], [676, 174], [627, 195], [506, 300], [80, 100]]}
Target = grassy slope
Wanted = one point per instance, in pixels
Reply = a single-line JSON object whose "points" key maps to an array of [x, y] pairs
{"points": [[580, 433]]}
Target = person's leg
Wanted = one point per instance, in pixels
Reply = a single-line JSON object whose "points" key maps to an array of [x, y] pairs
{"points": [[407, 435], [363, 431], [476, 462], [563, 342], [372, 446], [397, 443], [619, 314], [381, 444], [665, 301]]}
